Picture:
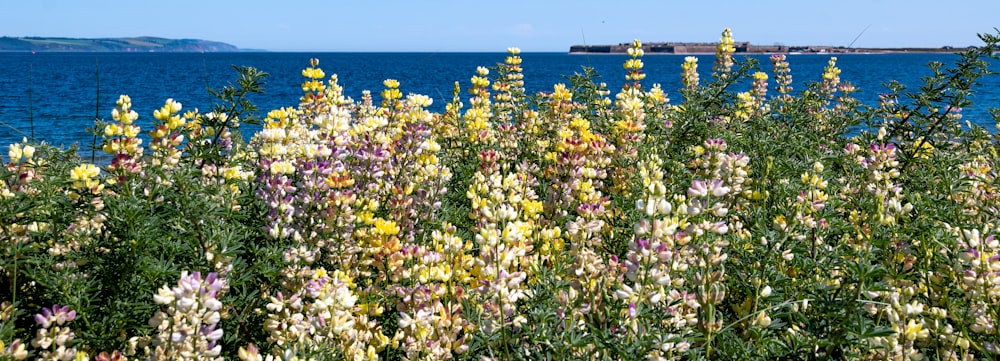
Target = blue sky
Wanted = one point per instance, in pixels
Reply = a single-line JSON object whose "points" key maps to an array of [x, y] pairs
{"points": [[536, 25]]}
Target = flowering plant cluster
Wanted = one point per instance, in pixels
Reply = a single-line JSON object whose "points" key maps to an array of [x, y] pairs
{"points": [[568, 224]]}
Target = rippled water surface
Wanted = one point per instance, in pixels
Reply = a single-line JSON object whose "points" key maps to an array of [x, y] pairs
{"points": [[62, 88]]}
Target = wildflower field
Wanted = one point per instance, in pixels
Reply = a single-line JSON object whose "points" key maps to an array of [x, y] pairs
{"points": [[750, 221]]}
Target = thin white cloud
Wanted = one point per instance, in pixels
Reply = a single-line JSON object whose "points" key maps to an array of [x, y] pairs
{"points": [[522, 30]]}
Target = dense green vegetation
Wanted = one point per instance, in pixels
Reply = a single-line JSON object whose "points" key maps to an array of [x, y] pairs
{"points": [[743, 223]]}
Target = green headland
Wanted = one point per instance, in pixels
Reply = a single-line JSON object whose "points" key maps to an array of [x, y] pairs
{"points": [[144, 44]]}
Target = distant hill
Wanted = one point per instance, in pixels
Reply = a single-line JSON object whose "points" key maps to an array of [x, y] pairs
{"points": [[143, 44]]}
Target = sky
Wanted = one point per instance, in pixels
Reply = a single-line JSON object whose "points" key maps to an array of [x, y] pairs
{"points": [[493, 26]]}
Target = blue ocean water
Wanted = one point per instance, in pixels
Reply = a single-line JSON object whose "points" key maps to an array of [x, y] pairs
{"points": [[56, 94]]}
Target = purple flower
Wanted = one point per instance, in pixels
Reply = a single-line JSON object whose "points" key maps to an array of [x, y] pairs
{"points": [[58, 315]]}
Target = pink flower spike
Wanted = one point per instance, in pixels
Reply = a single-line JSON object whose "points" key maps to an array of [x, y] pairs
{"points": [[42, 320], [698, 189], [717, 188], [70, 316], [715, 144]]}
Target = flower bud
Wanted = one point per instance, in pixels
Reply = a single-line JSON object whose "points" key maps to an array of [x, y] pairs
{"points": [[762, 320], [15, 153], [28, 152]]}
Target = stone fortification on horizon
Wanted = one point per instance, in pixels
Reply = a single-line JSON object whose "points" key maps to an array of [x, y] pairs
{"points": [[746, 47]]}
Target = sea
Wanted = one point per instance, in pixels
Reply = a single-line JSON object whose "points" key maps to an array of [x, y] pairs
{"points": [[55, 97]]}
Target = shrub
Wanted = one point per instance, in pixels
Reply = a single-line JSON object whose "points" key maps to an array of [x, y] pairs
{"points": [[569, 224]]}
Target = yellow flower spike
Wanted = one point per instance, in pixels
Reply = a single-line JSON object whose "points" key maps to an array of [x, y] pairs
{"points": [[313, 73], [313, 86], [926, 149], [277, 114], [915, 330], [129, 116], [657, 94], [282, 167], [724, 53], [480, 81], [84, 172], [805, 177], [175, 122], [579, 124], [319, 273], [124, 101], [392, 94], [132, 147], [112, 130], [159, 132], [131, 131], [174, 106], [561, 93], [15, 153], [384, 227], [161, 114], [690, 72], [28, 152]]}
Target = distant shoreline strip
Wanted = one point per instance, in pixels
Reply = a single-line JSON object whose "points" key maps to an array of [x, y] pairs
{"points": [[747, 48]]}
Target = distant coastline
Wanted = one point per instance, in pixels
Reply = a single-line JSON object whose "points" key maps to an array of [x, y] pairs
{"points": [[746, 47], [143, 44]]}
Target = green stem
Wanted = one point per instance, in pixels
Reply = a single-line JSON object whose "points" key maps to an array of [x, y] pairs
{"points": [[710, 335], [17, 255]]}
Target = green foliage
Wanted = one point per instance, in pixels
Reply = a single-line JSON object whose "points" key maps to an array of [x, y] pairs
{"points": [[569, 224]]}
